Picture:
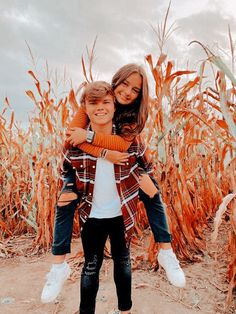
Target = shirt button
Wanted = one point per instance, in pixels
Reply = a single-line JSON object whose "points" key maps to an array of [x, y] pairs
{"points": [[81, 166], [127, 163], [89, 205], [73, 167], [90, 193], [93, 166]]}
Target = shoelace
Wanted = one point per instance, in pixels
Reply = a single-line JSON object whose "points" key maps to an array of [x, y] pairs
{"points": [[51, 277], [173, 262]]}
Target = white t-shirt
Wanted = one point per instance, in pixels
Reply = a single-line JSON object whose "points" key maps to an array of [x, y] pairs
{"points": [[106, 201]]}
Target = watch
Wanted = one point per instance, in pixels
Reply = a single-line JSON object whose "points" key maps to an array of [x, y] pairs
{"points": [[90, 136]]}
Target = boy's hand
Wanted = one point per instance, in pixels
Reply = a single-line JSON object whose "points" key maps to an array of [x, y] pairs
{"points": [[76, 136], [117, 157]]}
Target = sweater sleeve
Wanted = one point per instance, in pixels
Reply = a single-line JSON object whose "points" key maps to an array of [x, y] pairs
{"points": [[112, 142], [85, 147], [95, 150], [91, 149], [80, 119]]}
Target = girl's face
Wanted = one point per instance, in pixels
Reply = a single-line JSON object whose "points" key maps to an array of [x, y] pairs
{"points": [[128, 90]]}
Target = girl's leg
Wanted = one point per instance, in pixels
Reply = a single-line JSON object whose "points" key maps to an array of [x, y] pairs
{"points": [[63, 228], [93, 235], [158, 222], [149, 194], [122, 264]]}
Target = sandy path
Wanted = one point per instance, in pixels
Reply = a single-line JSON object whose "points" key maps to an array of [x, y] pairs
{"points": [[22, 279]]}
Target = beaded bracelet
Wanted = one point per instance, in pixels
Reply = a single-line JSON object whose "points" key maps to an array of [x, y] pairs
{"points": [[103, 153]]}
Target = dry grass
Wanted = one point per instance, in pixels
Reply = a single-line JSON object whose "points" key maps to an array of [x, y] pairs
{"points": [[191, 135], [192, 140]]}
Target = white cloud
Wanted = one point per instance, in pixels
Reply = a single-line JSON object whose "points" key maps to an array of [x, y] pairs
{"points": [[58, 31]]}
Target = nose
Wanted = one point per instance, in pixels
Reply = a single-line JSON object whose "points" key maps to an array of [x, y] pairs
{"points": [[100, 107], [127, 92]]}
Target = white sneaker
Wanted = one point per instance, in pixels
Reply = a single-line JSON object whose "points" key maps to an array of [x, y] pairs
{"points": [[55, 280], [167, 259]]}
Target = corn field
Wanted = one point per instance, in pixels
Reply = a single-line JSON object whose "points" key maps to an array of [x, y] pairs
{"points": [[191, 135]]}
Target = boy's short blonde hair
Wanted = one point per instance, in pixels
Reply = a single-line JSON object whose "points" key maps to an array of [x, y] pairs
{"points": [[94, 91]]}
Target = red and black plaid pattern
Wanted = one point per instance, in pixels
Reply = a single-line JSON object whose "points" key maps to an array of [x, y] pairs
{"points": [[127, 181]]}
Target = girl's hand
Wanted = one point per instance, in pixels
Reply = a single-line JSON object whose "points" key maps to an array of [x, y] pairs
{"points": [[116, 157], [76, 136]]}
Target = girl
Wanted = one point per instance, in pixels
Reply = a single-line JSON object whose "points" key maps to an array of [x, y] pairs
{"points": [[131, 92]]}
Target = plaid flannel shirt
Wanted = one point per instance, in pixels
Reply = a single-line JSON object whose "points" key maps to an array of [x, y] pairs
{"points": [[126, 177]]}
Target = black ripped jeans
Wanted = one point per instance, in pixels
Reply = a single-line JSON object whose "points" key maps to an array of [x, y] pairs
{"points": [[94, 235]]}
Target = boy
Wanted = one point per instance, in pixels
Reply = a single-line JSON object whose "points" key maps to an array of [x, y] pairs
{"points": [[109, 202]]}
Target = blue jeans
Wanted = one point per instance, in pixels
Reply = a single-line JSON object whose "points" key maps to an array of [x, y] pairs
{"points": [[63, 225], [156, 216]]}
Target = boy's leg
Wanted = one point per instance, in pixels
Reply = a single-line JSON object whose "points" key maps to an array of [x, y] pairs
{"points": [[93, 236], [122, 265], [158, 222]]}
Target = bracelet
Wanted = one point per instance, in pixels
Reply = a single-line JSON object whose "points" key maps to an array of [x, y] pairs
{"points": [[103, 153]]}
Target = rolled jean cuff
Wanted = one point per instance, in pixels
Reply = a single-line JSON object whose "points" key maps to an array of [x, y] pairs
{"points": [[163, 239], [60, 250]]}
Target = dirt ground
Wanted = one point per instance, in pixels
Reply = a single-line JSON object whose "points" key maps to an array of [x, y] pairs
{"points": [[22, 278]]}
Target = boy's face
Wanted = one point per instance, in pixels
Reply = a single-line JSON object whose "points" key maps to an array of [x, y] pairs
{"points": [[100, 112]]}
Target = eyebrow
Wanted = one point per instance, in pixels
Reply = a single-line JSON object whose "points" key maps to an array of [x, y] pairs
{"points": [[135, 87]]}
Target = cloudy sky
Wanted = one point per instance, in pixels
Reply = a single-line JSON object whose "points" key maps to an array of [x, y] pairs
{"points": [[58, 32]]}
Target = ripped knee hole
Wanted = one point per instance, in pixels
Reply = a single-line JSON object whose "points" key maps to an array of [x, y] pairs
{"points": [[66, 198], [91, 268]]}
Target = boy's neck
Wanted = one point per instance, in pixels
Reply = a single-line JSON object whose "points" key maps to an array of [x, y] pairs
{"points": [[105, 129]]}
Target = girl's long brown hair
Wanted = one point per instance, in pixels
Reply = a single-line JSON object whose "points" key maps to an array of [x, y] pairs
{"points": [[130, 119]]}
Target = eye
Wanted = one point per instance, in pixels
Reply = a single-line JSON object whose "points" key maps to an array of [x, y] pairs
{"points": [[125, 83], [136, 91], [108, 102]]}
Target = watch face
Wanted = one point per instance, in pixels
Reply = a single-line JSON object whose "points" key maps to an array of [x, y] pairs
{"points": [[90, 135]]}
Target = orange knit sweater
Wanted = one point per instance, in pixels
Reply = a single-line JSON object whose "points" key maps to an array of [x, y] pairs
{"points": [[100, 141]]}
